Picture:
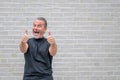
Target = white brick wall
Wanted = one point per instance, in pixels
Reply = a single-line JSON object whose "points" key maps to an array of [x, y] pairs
{"points": [[87, 33]]}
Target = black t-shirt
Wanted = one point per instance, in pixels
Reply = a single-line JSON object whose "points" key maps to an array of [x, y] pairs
{"points": [[38, 60]]}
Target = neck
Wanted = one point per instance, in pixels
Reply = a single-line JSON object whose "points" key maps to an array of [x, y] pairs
{"points": [[39, 37]]}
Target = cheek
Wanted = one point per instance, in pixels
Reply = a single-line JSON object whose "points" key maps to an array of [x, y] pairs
{"points": [[33, 28], [41, 29]]}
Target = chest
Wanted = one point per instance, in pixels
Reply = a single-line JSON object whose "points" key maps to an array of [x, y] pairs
{"points": [[39, 47]]}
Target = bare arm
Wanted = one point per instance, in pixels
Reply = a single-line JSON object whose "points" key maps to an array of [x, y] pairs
{"points": [[53, 49], [23, 47], [53, 46], [23, 44]]}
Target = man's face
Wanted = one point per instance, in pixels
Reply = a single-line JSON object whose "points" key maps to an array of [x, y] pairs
{"points": [[38, 28]]}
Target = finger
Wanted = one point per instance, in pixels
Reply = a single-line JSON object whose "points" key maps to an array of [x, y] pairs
{"points": [[26, 32], [49, 33]]}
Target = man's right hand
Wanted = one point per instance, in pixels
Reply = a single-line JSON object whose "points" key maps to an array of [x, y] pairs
{"points": [[25, 37], [23, 44]]}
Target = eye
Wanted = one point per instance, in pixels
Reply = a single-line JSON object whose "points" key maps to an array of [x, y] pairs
{"points": [[39, 26]]}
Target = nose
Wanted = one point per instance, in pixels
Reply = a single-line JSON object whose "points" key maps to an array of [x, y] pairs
{"points": [[35, 27]]}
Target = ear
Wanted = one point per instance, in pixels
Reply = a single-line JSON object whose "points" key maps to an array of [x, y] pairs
{"points": [[45, 29]]}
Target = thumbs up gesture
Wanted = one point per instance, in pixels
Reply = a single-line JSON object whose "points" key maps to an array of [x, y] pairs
{"points": [[50, 39], [53, 46], [23, 44], [25, 37]]}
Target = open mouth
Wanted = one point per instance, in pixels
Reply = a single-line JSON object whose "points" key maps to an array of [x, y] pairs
{"points": [[36, 32]]}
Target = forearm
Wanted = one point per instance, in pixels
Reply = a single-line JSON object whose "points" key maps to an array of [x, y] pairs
{"points": [[23, 47], [53, 49]]}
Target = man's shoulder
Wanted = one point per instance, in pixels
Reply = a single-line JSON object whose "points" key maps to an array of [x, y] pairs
{"points": [[30, 39]]}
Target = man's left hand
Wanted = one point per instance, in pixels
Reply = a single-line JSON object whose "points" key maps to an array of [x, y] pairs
{"points": [[50, 39]]}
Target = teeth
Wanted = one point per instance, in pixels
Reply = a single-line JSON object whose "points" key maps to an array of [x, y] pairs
{"points": [[36, 32]]}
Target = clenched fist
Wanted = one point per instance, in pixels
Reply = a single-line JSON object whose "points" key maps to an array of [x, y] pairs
{"points": [[25, 37], [50, 39]]}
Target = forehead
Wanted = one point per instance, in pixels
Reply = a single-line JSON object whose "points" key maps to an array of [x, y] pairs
{"points": [[38, 22]]}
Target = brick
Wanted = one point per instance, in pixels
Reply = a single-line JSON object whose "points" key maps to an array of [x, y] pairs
{"points": [[87, 33]]}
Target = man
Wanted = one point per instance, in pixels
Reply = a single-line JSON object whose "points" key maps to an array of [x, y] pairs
{"points": [[38, 52]]}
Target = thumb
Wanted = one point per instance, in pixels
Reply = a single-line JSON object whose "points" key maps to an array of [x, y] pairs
{"points": [[26, 32], [49, 33]]}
